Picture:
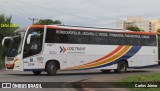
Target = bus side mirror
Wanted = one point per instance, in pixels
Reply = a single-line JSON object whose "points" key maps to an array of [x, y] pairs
{"points": [[5, 39], [5, 46], [29, 38]]}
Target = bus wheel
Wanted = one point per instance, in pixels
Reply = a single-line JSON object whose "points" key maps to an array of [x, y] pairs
{"points": [[37, 72], [51, 68], [122, 67], [105, 71]]}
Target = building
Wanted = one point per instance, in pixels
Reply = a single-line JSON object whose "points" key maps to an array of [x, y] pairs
{"points": [[155, 24], [144, 25]]}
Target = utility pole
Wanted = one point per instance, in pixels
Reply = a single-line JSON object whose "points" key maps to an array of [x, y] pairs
{"points": [[33, 19]]}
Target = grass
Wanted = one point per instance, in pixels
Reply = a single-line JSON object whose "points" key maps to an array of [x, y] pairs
{"points": [[141, 78]]}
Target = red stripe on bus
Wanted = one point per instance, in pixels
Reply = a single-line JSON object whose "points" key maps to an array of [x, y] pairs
{"points": [[37, 26], [110, 54]]}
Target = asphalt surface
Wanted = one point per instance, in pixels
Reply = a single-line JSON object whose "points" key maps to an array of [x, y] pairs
{"points": [[67, 76]]}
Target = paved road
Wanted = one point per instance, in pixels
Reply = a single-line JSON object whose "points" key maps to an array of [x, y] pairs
{"points": [[63, 76]]}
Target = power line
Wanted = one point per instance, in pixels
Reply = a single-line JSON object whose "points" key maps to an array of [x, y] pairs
{"points": [[88, 18]]}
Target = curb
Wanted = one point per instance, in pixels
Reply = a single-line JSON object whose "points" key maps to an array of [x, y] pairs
{"points": [[98, 89]]}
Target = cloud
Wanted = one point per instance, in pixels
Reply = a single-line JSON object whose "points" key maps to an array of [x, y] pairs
{"points": [[100, 13]]}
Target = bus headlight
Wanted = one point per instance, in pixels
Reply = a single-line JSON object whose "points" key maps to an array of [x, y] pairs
{"points": [[15, 60]]}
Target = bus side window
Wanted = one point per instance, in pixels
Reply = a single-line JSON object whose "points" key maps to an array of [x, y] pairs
{"points": [[93, 40], [84, 40], [50, 38], [71, 38]]}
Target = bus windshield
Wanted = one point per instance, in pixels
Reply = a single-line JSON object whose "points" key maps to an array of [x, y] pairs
{"points": [[35, 46], [15, 47]]}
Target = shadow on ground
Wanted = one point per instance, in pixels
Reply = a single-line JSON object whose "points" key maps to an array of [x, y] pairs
{"points": [[84, 73]]}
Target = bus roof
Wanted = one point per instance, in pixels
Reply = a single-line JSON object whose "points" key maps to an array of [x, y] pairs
{"points": [[75, 27], [90, 29]]}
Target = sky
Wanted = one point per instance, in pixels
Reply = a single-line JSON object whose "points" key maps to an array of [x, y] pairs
{"points": [[90, 13]]}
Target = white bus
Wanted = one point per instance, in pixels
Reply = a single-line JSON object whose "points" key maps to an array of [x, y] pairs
{"points": [[57, 47]]}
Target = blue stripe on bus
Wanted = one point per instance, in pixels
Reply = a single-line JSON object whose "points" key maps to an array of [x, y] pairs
{"points": [[129, 54]]}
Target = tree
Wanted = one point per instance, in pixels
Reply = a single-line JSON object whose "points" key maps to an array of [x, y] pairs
{"points": [[5, 30], [158, 33], [158, 30], [48, 22], [134, 28], [5, 26]]}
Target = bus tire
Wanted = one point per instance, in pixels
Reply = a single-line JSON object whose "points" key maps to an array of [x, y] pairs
{"points": [[51, 68], [37, 72], [122, 67], [105, 71]]}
